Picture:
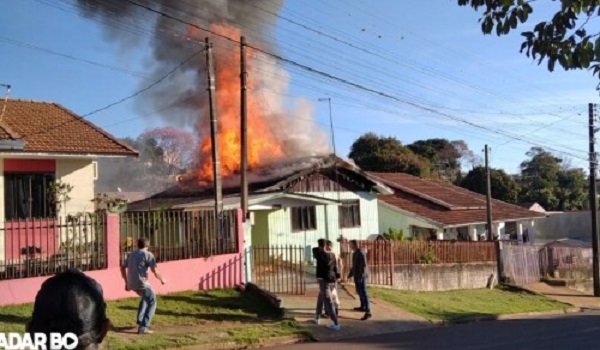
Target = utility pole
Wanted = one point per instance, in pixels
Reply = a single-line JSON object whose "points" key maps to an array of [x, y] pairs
{"points": [[488, 195], [335, 169], [243, 131], [328, 99], [594, 201], [214, 134]]}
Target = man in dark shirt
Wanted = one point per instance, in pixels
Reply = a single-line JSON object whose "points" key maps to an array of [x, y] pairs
{"points": [[71, 302], [360, 272], [326, 277]]}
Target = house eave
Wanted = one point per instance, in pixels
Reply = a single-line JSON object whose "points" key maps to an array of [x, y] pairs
{"points": [[9, 154], [494, 221], [257, 202]]}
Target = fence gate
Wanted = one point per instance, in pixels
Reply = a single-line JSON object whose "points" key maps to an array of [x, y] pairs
{"points": [[521, 264], [279, 269]]}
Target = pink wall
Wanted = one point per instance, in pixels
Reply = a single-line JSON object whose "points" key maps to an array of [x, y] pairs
{"points": [[221, 271], [38, 233]]}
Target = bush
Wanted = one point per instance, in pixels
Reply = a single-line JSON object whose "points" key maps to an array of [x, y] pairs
{"points": [[394, 234]]}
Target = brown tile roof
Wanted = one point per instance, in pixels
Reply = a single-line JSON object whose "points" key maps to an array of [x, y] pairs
{"points": [[51, 128], [445, 204]]}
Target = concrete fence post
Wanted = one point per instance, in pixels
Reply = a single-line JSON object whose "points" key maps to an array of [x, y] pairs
{"points": [[245, 260], [112, 239]]}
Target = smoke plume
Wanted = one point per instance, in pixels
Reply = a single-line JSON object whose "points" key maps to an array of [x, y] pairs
{"points": [[182, 99]]}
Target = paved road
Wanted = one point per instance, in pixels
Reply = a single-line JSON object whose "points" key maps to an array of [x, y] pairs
{"points": [[573, 331]]}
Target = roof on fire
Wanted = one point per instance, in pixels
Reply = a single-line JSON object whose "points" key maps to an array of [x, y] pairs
{"points": [[317, 174]]}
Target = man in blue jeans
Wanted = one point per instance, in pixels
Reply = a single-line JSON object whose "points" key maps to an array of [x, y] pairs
{"points": [[360, 272], [135, 273]]}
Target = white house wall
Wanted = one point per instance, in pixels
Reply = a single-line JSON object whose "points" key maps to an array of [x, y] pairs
{"points": [[79, 173], [280, 227], [389, 218]]}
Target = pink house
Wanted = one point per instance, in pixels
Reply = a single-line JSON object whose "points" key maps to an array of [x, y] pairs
{"points": [[42, 144]]}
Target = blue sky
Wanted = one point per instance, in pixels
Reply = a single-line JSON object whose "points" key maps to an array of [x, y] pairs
{"points": [[430, 55]]}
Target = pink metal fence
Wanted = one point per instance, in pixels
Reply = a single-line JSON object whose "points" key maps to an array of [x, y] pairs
{"points": [[41, 247]]}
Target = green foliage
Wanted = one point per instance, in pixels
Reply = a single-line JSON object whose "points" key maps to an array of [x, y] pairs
{"points": [[394, 234], [110, 204], [148, 173], [59, 193], [572, 190], [563, 38], [442, 155], [386, 154], [205, 319], [427, 257], [460, 304], [504, 187], [545, 180]]}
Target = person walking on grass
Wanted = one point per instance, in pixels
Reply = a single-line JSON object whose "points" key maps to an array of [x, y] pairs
{"points": [[135, 273], [359, 272], [328, 274]]}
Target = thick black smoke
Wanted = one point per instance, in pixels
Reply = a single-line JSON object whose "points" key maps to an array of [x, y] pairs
{"points": [[181, 99]]}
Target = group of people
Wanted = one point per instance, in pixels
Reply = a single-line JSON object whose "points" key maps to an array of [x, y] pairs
{"points": [[71, 302], [329, 269]]}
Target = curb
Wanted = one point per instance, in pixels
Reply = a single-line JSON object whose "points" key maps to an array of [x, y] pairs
{"points": [[277, 341], [488, 318]]}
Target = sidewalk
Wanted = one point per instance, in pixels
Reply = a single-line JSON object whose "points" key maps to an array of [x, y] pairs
{"points": [[386, 318], [565, 295]]}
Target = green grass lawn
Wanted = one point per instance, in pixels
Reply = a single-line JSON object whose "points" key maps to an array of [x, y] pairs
{"points": [[184, 319], [460, 304]]}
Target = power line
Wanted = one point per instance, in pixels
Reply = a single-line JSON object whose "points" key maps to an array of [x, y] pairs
{"points": [[332, 77], [411, 97], [110, 105], [71, 57], [329, 76]]}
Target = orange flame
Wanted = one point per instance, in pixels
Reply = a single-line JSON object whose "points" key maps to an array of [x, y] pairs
{"points": [[263, 146]]}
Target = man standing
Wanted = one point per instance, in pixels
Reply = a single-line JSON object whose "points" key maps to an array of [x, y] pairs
{"points": [[360, 273], [316, 255], [135, 274], [327, 276]]}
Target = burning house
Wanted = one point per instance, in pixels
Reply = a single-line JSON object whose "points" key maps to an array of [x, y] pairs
{"points": [[294, 202], [297, 193]]}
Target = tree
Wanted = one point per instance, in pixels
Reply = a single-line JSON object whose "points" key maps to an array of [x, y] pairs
{"points": [[504, 187], [467, 157], [386, 154], [562, 38], [179, 147], [445, 156], [539, 178], [547, 181], [572, 191], [148, 173]]}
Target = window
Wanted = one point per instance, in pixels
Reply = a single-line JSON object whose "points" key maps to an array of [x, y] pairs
{"points": [[26, 196], [95, 169], [349, 214], [304, 218]]}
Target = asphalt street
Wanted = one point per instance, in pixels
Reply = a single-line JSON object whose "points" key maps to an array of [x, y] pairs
{"points": [[570, 331]]}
